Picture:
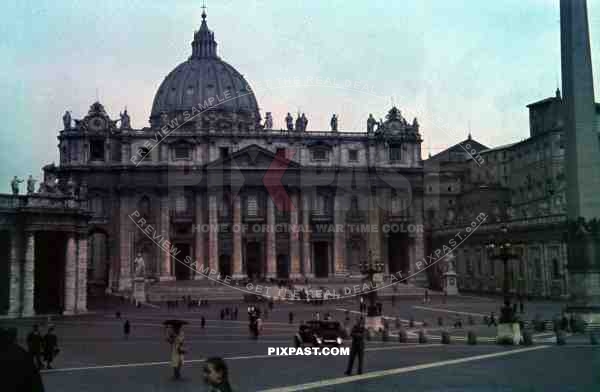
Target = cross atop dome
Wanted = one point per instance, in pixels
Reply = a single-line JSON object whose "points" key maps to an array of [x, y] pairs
{"points": [[204, 44]]}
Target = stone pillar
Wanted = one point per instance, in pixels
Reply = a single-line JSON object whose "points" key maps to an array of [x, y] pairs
{"points": [[70, 274], [124, 268], [163, 152], [339, 246], [82, 266], [198, 237], [29, 275], [295, 238], [213, 233], [14, 306], [374, 241], [306, 245], [270, 240], [419, 240], [165, 231], [237, 238], [125, 153]]}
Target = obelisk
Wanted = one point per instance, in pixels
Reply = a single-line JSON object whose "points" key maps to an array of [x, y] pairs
{"points": [[582, 161]]}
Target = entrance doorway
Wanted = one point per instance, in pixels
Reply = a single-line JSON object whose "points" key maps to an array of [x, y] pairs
{"points": [[398, 253], [182, 270], [49, 288], [283, 266], [321, 251], [253, 260], [225, 265]]}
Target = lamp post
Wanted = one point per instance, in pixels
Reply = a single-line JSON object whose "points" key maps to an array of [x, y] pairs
{"points": [[501, 249], [370, 267]]}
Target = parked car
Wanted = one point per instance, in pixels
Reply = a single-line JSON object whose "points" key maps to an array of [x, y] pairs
{"points": [[319, 333]]}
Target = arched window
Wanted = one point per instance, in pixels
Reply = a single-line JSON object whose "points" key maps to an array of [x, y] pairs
{"points": [[97, 205], [555, 268], [144, 206], [354, 204]]}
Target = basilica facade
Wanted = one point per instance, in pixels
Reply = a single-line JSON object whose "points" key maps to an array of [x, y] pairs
{"points": [[210, 180]]}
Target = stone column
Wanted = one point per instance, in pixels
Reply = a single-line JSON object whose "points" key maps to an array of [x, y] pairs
{"points": [[213, 233], [124, 245], [295, 239], [374, 242], [163, 152], [237, 238], [70, 274], [306, 245], [29, 275], [14, 307], [198, 237], [125, 153], [339, 245], [165, 231], [419, 240], [82, 266], [270, 240]]}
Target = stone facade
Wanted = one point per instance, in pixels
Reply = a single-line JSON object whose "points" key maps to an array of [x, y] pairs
{"points": [[522, 185], [217, 186]]}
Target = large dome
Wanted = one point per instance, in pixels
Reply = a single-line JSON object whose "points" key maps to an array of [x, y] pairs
{"points": [[204, 75]]}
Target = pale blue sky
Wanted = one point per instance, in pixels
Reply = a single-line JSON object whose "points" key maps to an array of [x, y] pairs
{"points": [[453, 64]]}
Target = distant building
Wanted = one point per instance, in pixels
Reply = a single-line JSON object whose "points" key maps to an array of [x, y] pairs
{"points": [[521, 185]]}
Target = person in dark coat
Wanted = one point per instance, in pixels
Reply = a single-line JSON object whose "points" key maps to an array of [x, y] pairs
{"points": [[19, 373], [50, 347], [222, 314], [126, 329], [216, 375], [202, 322], [291, 317], [357, 347], [35, 345]]}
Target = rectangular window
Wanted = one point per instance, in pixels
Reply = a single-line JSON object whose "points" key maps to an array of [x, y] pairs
{"points": [[182, 152], [353, 155], [97, 150], [181, 203], [395, 152], [319, 155], [252, 205], [224, 152]]}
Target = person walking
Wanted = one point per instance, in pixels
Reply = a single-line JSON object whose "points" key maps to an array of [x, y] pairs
{"points": [[202, 322], [126, 329], [357, 347], [19, 373], [176, 339], [291, 317], [34, 345], [216, 375], [50, 346]]}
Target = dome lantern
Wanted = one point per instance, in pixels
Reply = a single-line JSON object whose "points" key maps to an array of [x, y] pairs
{"points": [[204, 44]]}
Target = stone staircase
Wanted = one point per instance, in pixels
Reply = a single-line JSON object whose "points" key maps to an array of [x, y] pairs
{"points": [[213, 291]]}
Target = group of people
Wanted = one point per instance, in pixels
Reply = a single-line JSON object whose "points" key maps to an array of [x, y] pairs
{"points": [[42, 348], [216, 374], [19, 373], [229, 313], [186, 301]]}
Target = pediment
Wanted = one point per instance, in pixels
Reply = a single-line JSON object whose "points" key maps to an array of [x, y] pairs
{"points": [[253, 157]]}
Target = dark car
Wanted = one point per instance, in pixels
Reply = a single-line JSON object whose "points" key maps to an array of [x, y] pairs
{"points": [[320, 333]]}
